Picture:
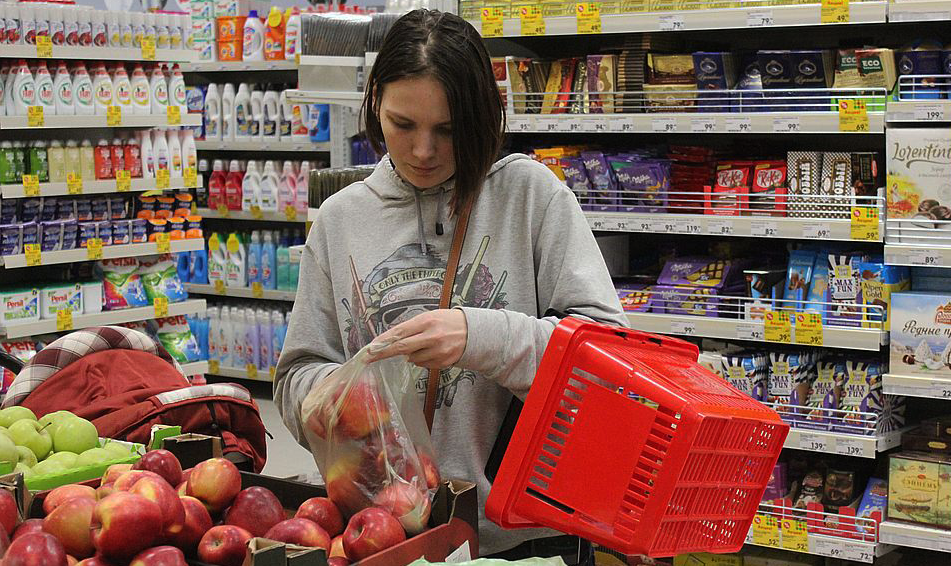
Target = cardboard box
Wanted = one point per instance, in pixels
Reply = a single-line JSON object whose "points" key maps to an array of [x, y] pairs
{"points": [[919, 181], [54, 298], [230, 50], [919, 488], [920, 330], [19, 306]]}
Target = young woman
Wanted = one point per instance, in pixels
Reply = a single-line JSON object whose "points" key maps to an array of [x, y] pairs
{"points": [[376, 256]]}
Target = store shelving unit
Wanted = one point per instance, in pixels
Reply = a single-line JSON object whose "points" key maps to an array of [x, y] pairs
{"points": [[240, 373], [209, 145], [918, 255], [826, 442], [914, 536], [236, 66], [918, 10], [195, 368], [92, 187], [916, 386], [241, 292], [97, 121], [98, 53], [108, 252], [270, 216]]}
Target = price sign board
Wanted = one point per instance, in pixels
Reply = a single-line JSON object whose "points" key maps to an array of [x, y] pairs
{"points": [[94, 248], [33, 255], [492, 18], [257, 290], [34, 117], [864, 225], [589, 17], [765, 530], [853, 116], [74, 183], [64, 320], [44, 47], [161, 307], [31, 185], [532, 22], [164, 243], [174, 115], [809, 328], [777, 326], [114, 116], [834, 12], [795, 537], [123, 181], [163, 179]]}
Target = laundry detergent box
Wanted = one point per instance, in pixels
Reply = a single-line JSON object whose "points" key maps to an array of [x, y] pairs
{"points": [[19, 305], [54, 298], [918, 186], [921, 334]]}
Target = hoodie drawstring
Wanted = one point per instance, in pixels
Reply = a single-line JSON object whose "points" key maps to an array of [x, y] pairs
{"points": [[439, 205], [423, 246]]}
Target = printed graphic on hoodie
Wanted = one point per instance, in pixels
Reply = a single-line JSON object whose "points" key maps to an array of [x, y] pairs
{"points": [[408, 283]]}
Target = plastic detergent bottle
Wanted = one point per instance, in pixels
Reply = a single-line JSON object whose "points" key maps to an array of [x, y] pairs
{"points": [[233, 196], [74, 162], [24, 90], [27, 24], [216, 184], [250, 187], [160, 147], [225, 337], [277, 336], [283, 266], [254, 258], [256, 125], [141, 95], [212, 113], [122, 89], [213, 328], [138, 28], [287, 190], [148, 155], [100, 36], [242, 113], [148, 28], [162, 37], [268, 262], [286, 116], [176, 90], [9, 99], [303, 181], [87, 160], [175, 159], [158, 91], [84, 15], [271, 114], [291, 33], [270, 183], [4, 75], [253, 37], [252, 344], [63, 91], [319, 122], [113, 29], [102, 89], [45, 93], [228, 117], [56, 155], [264, 339], [125, 28], [189, 150], [237, 262], [83, 95], [274, 35], [57, 25], [41, 19]]}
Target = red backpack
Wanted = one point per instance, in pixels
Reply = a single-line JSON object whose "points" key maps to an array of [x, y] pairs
{"points": [[126, 383]]}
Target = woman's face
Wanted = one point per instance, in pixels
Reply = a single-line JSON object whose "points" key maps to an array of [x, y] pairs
{"points": [[417, 129]]}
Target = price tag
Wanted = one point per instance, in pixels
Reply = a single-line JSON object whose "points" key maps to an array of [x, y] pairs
{"points": [[33, 257], [925, 258], [521, 124], [174, 115], [532, 21], [161, 307], [256, 212], [661, 227], [864, 224], [74, 183], [929, 113], [621, 225], [596, 124], [547, 123], [941, 389], [114, 116], [825, 547], [765, 530], [672, 22], [622, 124], [850, 446], [220, 287], [813, 442], [703, 125], [764, 228], [44, 47], [750, 331], [596, 224], [163, 179], [492, 18], [664, 125], [94, 248], [257, 290], [568, 125], [64, 320], [223, 211], [738, 125], [251, 370], [163, 242], [148, 49], [589, 17], [795, 537], [31, 185], [34, 117], [191, 177], [290, 213], [760, 19], [683, 327], [853, 116], [817, 231], [858, 554], [809, 328], [787, 125], [834, 12], [214, 366], [691, 227], [720, 227], [272, 372], [777, 326], [123, 181]]}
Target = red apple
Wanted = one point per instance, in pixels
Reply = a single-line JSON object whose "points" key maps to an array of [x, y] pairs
{"points": [[215, 483], [158, 491], [182, 489], [346, 482], [124, 524], [9, 512], [70, 561], [224, 545], [113, 472], [256, 510], [70, 523], [337, 561], [125, 481], [27, 527], [94, 561], [371, 531], [406, 503], [197, 523], [159, 556], [4, 542], [302, 532], [35, 549], [322, 511], [64, 493], [336, 547], [163, 463], [430, 471], [105, 490], [186, 474], [361, 411]]}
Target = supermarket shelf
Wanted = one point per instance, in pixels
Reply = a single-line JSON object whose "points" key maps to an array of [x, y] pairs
{"points": [[851, 338], [91, 187], [918, 111], [98, 53], [901, 534], [689, 123], [919, 10], [238, 66], [191, 306], [195, 368], [98, 121], [834, 547], [270, 216], [233, 145], [841, 443], [242, 292], [240, 373], [918, 255], [713, 225], [705, 19], [916, 386], [351, 99], [108, 252]]}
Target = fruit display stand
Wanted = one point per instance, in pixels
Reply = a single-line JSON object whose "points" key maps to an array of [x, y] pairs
{"points": [[85, 473]]}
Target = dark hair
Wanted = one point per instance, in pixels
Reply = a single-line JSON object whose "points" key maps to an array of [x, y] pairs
{"points": [[429, 43]]}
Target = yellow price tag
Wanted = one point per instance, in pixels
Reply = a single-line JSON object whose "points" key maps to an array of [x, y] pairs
{"points": [[272, 372], [148, 48], [163, 179], [31, 185], [809, 329], [191, 177], [123, 181], [44, 47], [777, 326], [251, 370], [94, 248], [174, 113], [765, 530], [33, 257], [492, 18], [589, 17], [532, 21], [214, 366], [164, 243], [256, 212], [220, 287], [34, 117], [835, 12], [257, 290], [74, 183], [114, 116], [795, 537], [290, 213], [853, 116], [64, 319], [161, 307], [864, 224], [223, 211]]}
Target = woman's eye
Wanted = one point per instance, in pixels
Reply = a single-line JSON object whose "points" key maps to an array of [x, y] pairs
{"points": [[445, 131], [403, 126]]}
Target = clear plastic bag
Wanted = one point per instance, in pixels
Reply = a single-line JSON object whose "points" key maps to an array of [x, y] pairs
{"points": [[366, 429]]}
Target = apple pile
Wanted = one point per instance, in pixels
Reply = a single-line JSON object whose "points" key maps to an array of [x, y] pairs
{"points": [[53, 444]]}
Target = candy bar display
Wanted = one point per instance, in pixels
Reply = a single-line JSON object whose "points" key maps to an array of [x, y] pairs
{"points": [[791, 376], [833, 486], [920, 332]]}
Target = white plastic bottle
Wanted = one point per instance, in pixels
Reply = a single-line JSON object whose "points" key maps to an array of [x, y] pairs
{"points": [[84, 15], [242, 113], [41, 19], [189, 150], [24, 90], [254, 258], [45, 93], [138, 28], [212, 111], [270, 185], [160, 148], [125, 29], [162, 37], [286, 116], [252, 342], [256, 126], [176, 90], [253, 37], [71, 24], [291, 34], [148, 155], [113, 29], [158, 91], [271, 115], [83, 94], [226, 330], [250, 187], [141, 95], [74, 161], [56, 157], [57, 25], [102, 89], [122, 89], [268, 261], [174, 154], [148, 28], [63, 91], [264, 340], [27, 24], [13, 32], [228, 122], [213, 330], [175, 31], [4, 75], [9, 100]]}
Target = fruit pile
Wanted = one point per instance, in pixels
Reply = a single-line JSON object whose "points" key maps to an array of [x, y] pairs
{"points": [[54, 444], [153, 513]]}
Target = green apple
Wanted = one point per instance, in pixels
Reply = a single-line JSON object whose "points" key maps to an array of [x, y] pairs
{"points": [[24, 469], [30, 434], [5, 432], [13, 414], [50, 420], [49, 467], [67, 459], [8, 450], [27, 457], [117, 450], [76, 435], [94, 456]]}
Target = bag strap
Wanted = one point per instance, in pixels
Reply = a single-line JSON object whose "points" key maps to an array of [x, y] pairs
{"points": [[452, 265]]}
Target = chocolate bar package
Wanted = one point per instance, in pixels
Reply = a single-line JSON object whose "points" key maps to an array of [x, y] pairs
{"points": [[635, 298], [790, 377], [776, 486], [712, 361], [578, 102], [734, 174], [777, 72], [799, 277], [602, 81], [922, 58], [671, 69], [685, 300], [847, 70], [763, 286], [715, 71], [803, 170], [642, 185], [810, 491], [577, 179], [878, 282], [670, 97], [559, 84], [874, 500], [837, 184], [701, 271], [868, 175], [877, 68], [768, 190], [603, 183], [819, 287], [823, 397], [812, 69], [748, 373], [845, 290], [523, 86], [862, 397], [839, 489], [751, 83]]}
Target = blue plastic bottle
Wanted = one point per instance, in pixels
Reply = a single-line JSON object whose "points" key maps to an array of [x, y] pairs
{"points": [[199, 266], [269, 262], [183, 267], [320, 122], [254, 259]]}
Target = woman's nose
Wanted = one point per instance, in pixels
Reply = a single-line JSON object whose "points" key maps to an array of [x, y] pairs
{"points": [[424, 146]]}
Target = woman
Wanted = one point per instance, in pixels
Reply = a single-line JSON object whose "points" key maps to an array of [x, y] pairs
{"points": [[376, 256]]}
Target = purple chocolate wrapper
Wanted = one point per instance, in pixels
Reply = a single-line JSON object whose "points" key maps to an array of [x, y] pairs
{"points": [[604, 193]]}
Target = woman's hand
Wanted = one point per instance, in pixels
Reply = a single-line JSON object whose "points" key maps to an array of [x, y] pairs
{"points": [[432, 340]]}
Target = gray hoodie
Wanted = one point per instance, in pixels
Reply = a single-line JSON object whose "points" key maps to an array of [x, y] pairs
{"points": [[376, 256]]}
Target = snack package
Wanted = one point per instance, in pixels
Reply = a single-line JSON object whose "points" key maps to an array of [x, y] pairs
{"points": [[768, 193], [369, 437], [776, 487], [799, 277], [748, 373], [878, 282], [160, 276], [845, 290], [875, 499], [576, 177], [763, 286], [823, 397], [602, 78], [712, 361], [122, 286], [839, 489], [635, 298], [862, 396], [601, 176], [803, 170], [919, 489], [837, 184], [811, 490], [819, 287], [643, 185], [790, 377], [176, 336]]}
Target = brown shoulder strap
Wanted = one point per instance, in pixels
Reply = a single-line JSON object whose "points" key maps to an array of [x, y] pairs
{"points": [[452, 265]]}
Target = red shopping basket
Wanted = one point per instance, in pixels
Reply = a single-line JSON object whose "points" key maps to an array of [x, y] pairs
{"points": [[626, 441]]}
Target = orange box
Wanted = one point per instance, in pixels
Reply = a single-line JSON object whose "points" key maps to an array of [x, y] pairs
{"points": [[230, 29], [230, 50]]}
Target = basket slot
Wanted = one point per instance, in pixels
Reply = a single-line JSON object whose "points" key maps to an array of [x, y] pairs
{"points": [[561, 428], [555, 453], [680, 502], [710, 432], [695, 468], [566, 417], [593, 379], [569, 405], [556, 504], [556, 438], [538, 481], [545, 471], [546, 460]]}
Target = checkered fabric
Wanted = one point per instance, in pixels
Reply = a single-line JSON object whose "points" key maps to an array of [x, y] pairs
{"points": [[74, 346]]}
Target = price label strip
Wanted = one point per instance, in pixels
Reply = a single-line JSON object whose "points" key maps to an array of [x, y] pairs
{"points": [[31, 185], [589, 17], [257, 290], [114, 116], [44, 47], [794, 535], [777, 327], [94, 248], [834, 12], [787, 125], [191, 177], [532, 21], [764, 228], [809, 329], [34, 117], [64, 320], [683, 327], [850, 446], [220, 287], [672, 22], [492, 19], [33, 255], [664, 125], [123, 181], [720, 227], [760, 19], [853, 116], [703, 125], [738, 125], [74, 183], [864, 224], [765, 530], [750, 331], [817, 231], [161, 307], [813, 442]]}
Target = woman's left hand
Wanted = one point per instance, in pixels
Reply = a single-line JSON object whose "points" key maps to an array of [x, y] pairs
{"points": [[432, 340]]}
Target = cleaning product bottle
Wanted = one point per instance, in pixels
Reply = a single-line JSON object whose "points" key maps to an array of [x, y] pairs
{"points": [[122, 89], [252, 342], [270, 185], [291, 33], [212, 113], [45, 93], [100, 37], [225, 337], [63, 88], [254, 259], [214, 313], [268, 262], [286, 116], [279, 328], [216, 185], [149, 33], [160, 147], [158, 91], [274, 36], [253, 37], [138, 28], [199, 266], [264, 340], [27, 23], [303, 182], [237, 275], [102, 89], [102, 154], [319, 123], [250, 188], [216, 259], [299, 132], [41, 18], [148, 155], [84, 15], [183, 267], [176, 90], [57, 25], [228, 118], [74, 162], [125, 28], [71, 25], [256, 126], [132, 153], [242, 113], [189, 150], [113, 29], [283, 266], [175, 161], [287, 191], [83, 94], [56, 155], [270, 115], [24, 90], [233, 196], [87, 158], [162, 37], [141, 95], [9, 99], [239, 351]]}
